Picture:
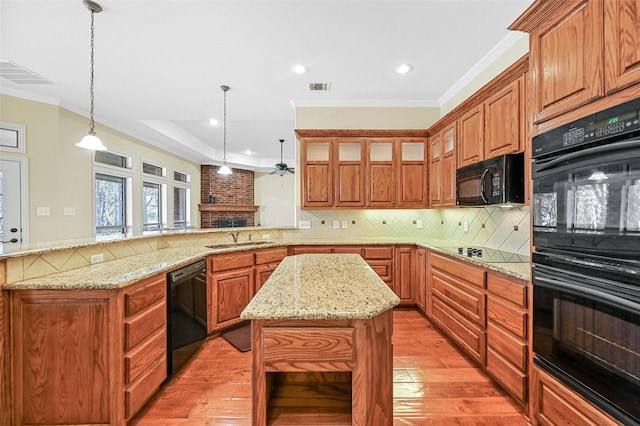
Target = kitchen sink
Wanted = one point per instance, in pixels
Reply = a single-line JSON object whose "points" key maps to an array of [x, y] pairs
{"points": [[243, 244]]}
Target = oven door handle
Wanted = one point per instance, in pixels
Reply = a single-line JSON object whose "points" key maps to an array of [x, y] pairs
{"points": [[590, 151]]}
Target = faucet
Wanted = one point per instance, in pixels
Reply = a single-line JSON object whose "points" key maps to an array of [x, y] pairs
{"points": [[234, 235]]}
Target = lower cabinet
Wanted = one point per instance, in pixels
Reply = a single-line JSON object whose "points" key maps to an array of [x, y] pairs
{"points": [[266, 262], [405, 275], [553, 404], [421, 278], [87, 356], [230, 284]]}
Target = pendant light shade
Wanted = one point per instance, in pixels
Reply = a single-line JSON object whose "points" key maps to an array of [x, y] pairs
{"points": [[224, 169], [91, 140]]}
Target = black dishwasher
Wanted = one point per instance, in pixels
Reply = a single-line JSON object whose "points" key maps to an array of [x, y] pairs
{"points": [[186, 313]]}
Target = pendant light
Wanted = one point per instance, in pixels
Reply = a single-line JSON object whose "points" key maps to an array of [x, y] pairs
{"points": [[91, 140], [224, 169]]}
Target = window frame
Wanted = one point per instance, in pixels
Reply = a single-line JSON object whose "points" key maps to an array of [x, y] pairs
{"points": [[187, 207]]}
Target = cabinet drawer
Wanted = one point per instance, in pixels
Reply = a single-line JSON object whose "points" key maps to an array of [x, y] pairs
{"points": [[139, 393], [383, 252], [512, 289], [271, 255], [384, 268], [311, 249], [143, 295], [347, 249], [511, 348], [466, 334], [291, 344], [137, 361], [514, 380], [466, 300], [470, 273], [510, 319], [230, 261], [142, 326]]}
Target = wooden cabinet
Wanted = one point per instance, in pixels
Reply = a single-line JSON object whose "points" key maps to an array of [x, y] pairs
{"points": [[421, 278], [504, 116], [404, 281], [507, 333], [266, 262], [145, 341], [381, 176], [442, 167], [230, 285], [471, 137], [457, 302], [360, 172], [621, 39], [412, 173], [380, 258], [553, 404], [349, 172], [310, 250], [317, 172]]}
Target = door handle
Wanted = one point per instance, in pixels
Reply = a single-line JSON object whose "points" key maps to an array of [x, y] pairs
{"points": [[13, 240], [13, 230]]}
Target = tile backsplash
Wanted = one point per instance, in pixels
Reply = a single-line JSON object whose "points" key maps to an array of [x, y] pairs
{"points": [[496, 227]]}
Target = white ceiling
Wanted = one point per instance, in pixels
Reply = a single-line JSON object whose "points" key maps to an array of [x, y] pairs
{"points": [[159, 64]]}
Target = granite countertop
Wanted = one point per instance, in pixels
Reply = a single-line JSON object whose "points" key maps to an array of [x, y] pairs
{"points": [[321, 286], [126, 271]]}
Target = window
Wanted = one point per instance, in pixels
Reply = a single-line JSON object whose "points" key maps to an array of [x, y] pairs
{"points": [[113, 159], [110, 205], [153, 169], [181, 199], [152, 206], [12, 137]]}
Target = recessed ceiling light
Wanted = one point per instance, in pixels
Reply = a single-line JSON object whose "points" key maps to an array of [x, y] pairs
{"points": [[403, 69], [248, 152], [214, 122], [299, 69]]}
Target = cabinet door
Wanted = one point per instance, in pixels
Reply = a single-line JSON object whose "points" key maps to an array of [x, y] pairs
{"points": [[471, 142], [230, 291], [317, 174], [380, 181], [622, 43], [350, 176], [421, 278], [448, 166], [404, 281], [435, 170], [503, 121], [263, 272], [566, 58], [412, 173]]}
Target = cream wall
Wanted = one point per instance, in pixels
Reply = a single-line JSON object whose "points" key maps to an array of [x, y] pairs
{"points": [[365, 118], [274, 194], [61, 175]]}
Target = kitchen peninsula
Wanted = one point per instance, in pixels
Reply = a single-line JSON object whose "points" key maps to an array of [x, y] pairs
{"points": [[325, 320]]}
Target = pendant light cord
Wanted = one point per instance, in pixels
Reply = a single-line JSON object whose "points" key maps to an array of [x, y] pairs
{"points": [[224, 158], [92, 126]]}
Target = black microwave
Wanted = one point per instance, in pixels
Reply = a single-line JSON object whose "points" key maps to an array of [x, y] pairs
{"points": [[498, 181]]}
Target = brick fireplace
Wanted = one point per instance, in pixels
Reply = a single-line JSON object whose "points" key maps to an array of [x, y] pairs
{"points": [[233, 196]]}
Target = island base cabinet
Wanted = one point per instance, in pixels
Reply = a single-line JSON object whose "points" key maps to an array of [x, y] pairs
{"points": [[62, 357], [331, 369], [554, 404]]}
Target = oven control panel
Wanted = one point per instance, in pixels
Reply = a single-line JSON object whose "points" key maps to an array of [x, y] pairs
{"points": [[610, 123]]}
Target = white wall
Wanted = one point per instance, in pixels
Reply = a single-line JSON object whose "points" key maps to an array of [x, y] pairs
{"points": [[275, 196]]}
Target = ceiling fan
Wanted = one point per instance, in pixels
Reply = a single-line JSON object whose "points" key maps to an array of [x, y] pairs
{"points": [[281, 167]]}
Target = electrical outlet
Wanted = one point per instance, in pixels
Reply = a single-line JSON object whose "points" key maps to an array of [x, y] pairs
{"points": [[69, 211], [336, 224], [42, 211], [344, 224], [304, 224], [465, 226], [266, 236], [97, 258], [419, 224]]}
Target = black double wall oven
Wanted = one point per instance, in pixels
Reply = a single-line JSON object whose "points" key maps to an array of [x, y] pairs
{"points": [[586, 260]]}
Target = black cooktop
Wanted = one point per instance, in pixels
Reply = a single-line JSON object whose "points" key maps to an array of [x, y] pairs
{"points": [[488, 254]]}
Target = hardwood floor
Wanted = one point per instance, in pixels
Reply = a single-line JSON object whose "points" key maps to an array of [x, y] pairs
{"points": [[434, 384]]}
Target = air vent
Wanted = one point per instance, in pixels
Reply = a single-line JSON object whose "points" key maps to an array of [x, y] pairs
{"points": [[20, 75], [319, 86]]}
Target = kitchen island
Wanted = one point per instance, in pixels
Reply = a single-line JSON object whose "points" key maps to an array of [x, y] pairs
{"points": [[321, 338]]}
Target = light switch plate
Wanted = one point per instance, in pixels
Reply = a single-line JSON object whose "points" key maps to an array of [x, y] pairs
{"points": [[304, 224], [336, 224], [69, 211], [419, 224], [42, 211], [344, 223]]}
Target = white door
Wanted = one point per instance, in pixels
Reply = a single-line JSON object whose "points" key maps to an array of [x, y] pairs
{"points": [[10, 202]]}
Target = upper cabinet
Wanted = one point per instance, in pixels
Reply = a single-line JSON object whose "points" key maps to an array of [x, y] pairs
{"points": [[471, 142], [580, 51], [442, 167], [381, 171], [504, 116]]}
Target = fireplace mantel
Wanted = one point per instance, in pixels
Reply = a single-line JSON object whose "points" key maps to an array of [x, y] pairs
{"points": [[226, 208]]}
